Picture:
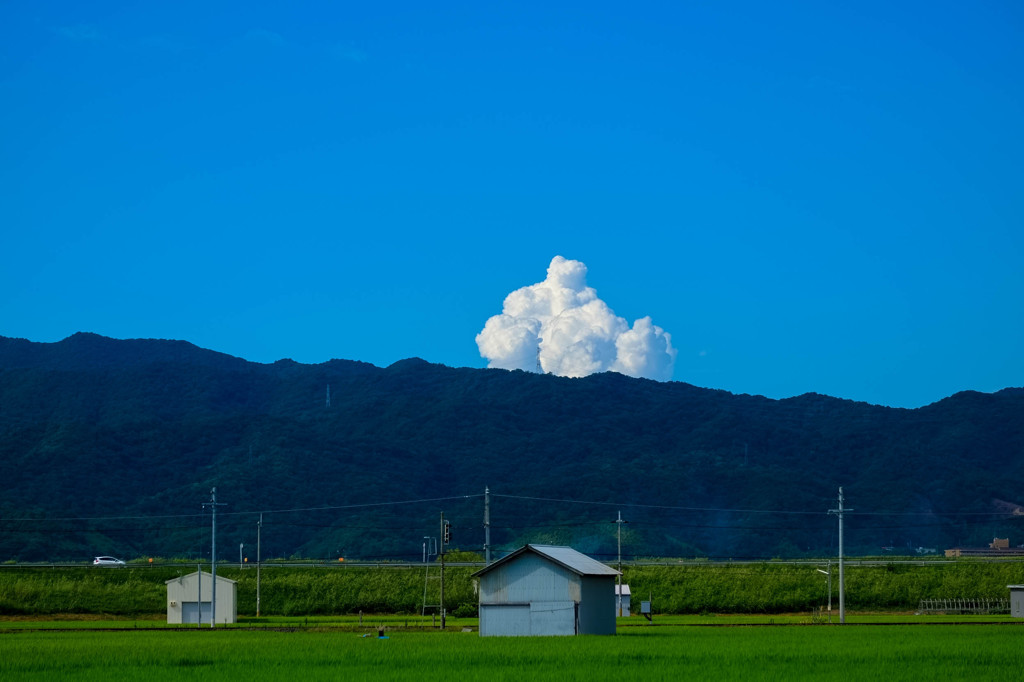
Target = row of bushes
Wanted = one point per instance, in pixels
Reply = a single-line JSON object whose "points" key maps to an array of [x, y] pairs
{"points": [[687, 588], [780, 588], [141, 590]]}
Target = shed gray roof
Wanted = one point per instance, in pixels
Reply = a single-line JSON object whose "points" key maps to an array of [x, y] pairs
{"points": [[566, 557]]}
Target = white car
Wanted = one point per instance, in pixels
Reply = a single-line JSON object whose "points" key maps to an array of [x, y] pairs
{"points": [[107, 561]]}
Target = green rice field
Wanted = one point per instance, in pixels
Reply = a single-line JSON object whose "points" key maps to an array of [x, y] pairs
{"points": [[768, 652]]}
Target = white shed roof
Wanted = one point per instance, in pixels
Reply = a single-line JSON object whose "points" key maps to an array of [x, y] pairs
{"points": [[206, 576], [625, 590], [566, 557]]}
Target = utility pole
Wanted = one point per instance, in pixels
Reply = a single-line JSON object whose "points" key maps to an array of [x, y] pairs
{"points": [[213, 504], [259, 528], [842, 597], [444, 547], [487, 525], [618, 578]]}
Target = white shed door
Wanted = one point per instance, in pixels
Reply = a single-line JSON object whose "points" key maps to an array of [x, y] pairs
{"points": [[190, 612]]}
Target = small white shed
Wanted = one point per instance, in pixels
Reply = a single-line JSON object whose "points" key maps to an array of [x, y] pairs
{"points": [[547, 590], [622, 600], [189, 599], [1016, 601]]}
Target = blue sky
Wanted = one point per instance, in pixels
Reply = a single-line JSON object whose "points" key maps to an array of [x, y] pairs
{"points": [[807, 196]]}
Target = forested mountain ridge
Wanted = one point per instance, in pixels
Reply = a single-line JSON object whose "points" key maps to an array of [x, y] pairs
{"points": [[111, 446]]}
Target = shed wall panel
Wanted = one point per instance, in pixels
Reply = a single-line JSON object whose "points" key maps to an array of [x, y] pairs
{"points": [[597, 608], [553, 618]]}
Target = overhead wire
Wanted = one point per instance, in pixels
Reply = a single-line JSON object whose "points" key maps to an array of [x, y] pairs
{"points": [[955, 519]]}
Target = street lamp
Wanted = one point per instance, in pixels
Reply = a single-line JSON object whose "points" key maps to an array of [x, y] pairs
{"points": [[829, 574]]}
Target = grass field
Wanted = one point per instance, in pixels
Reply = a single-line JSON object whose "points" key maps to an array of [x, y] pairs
{"points": [[356, 623], [889, 652]]}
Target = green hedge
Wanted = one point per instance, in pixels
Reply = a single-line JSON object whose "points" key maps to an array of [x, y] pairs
{"points": [[283, 591]]}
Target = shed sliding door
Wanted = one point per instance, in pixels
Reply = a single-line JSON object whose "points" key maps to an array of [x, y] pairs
{"points": [[521, 620], [505, 620]]}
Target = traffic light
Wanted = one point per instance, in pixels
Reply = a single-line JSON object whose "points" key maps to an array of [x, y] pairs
{"points": [[447, 532]]}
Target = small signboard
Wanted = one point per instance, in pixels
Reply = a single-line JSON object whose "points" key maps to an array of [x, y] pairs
{"points": [[645, 609]]}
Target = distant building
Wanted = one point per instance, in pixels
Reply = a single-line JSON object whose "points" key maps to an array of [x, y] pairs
{"points": [[189, 599], [998, 547], [622, 600], [547, 590]]}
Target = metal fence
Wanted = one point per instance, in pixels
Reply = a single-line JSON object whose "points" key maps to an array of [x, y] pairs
{"points": [[982, 606]]}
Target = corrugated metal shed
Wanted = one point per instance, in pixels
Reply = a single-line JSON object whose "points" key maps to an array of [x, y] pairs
{"points": [[546, 590]]}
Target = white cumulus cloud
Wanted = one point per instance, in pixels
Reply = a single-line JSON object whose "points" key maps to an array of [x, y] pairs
{"points": [[560, 326]]}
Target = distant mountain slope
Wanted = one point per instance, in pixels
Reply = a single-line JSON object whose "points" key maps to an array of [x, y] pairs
{"points": [[110, 446]]}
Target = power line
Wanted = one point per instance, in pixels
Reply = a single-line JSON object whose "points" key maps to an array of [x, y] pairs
{"points": [[1010, 514], [755, 511], [107, 518], [660, 506], [366, 505], [355, 506], [245, 513]]}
